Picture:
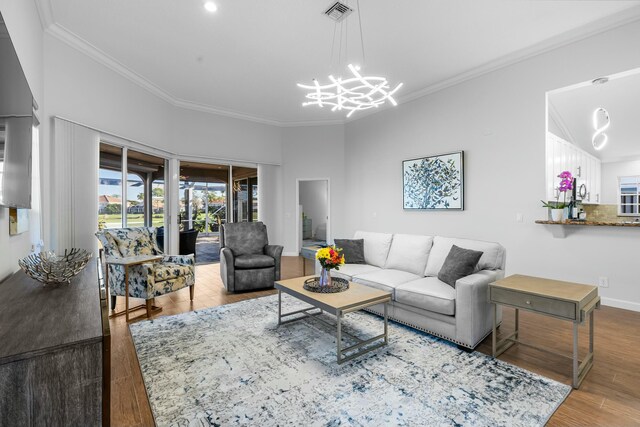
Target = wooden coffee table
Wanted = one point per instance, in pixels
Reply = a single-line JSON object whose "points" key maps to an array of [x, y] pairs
{"points": [[353, 299]]}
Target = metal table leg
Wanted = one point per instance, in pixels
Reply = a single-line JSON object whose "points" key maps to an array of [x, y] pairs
{"points": [[386, 325], [279, 307], [339, 335], [495, 327]]}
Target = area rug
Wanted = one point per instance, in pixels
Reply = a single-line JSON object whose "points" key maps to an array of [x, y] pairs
{"points": [[232, 365]]}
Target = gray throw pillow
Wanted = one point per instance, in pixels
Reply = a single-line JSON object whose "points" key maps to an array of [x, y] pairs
{"points": [[352, 249], [459, 263]]}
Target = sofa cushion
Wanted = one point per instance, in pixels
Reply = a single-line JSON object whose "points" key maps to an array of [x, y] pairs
{"points": [[352, 249], [386, 280], [347, 271], [458, 264], [428, 293], [376, 247], [253, 261], [409, 252], [492, 254]]}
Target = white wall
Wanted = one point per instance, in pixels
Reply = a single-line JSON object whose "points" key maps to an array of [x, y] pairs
{"points": [[610, 174], [270, 201], [313, 152], [314, 201], [80, 89], [22, 21], [498, 119]]}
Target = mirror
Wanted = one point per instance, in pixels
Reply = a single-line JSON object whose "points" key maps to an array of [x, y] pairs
{"points": [[593, 132]]}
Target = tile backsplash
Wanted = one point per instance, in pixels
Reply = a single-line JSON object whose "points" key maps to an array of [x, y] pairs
{"points": [[604, 213]]}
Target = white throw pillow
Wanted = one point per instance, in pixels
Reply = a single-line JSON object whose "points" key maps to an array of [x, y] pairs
{"points": [[492, 253], [409, 252], [376, 247]]}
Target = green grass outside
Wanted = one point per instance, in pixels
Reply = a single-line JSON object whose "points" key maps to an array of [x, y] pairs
{"points": [[133, 220]]}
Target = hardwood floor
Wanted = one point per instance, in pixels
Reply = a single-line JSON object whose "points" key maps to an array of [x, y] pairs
{"points": [[609, 395]]}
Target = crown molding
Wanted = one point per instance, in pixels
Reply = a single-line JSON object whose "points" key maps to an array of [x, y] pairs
{"points": [[559, 120], [76, 42], [597, 27], [45, 11], [193, 106], [56, 30]]}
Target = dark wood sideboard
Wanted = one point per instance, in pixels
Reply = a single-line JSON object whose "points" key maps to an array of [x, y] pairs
{"points": [[54, 352]]}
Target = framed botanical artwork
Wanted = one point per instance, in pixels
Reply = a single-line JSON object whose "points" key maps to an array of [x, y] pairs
{"points": [[435, 182]]}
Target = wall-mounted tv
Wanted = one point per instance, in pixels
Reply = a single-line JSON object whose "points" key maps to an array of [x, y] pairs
{"points": [[16, 127]]}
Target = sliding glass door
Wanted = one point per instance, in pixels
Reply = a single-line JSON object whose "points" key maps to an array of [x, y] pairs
{"points": [[211, 195], [245, 194], [139, 201]]}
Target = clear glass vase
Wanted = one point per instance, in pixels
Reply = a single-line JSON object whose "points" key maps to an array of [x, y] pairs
{"points": [[325, 277]]}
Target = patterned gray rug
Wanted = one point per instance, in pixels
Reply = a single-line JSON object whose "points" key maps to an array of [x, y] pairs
{"points": [[232, 365]]}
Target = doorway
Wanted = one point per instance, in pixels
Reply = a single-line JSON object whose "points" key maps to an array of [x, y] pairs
{"points": [[211, 195], [313, 220]]}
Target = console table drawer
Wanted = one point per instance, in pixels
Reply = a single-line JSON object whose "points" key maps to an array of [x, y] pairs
{"points": [[554, 307]]}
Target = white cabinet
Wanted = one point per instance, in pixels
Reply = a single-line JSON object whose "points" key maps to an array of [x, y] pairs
{"points": [[564, 156]]}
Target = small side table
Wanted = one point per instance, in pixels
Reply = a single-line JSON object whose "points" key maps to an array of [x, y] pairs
{"points": [[126, 263], [308, 252], [562, 300]]}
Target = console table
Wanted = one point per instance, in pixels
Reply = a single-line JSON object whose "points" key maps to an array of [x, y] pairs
{"points": [[54, 352], [564, 300]]}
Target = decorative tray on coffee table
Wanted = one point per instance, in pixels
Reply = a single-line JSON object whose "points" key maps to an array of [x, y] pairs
{"points": [[337, 285]]}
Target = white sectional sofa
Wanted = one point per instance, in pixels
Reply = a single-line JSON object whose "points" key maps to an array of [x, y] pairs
{"points": [[408, 265]]}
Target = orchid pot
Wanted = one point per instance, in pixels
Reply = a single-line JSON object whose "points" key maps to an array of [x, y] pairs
{"points": [[557, 215]]}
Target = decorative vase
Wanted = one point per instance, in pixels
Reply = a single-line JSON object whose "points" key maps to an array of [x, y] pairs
{"points": [[325, 277], [557, 215]]}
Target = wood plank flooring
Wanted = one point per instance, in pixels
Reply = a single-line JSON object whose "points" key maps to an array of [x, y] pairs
{"points": [[609, 395]]}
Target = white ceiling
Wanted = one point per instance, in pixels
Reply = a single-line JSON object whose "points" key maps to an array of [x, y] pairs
{"points": [[620, 97], [246, 59]]}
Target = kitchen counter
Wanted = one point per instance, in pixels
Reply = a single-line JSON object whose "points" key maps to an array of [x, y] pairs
{"points": [[567, 227], [591, 223]]}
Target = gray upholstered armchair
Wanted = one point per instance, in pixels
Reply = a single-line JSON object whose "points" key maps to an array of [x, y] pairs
{"points": [[247, 260]]}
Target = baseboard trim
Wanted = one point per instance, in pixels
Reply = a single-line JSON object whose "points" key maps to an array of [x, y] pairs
{"points": [[618, 303], [290, 254]]}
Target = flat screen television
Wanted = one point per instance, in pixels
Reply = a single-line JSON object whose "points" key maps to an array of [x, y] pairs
{"points": [[16, 127]]}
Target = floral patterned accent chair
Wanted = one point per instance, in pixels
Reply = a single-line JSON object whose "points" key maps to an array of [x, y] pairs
{"points": [[150, 280], [247, 260]]}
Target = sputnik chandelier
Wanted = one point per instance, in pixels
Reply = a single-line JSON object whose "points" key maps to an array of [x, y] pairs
{"points": [[355, 93]]}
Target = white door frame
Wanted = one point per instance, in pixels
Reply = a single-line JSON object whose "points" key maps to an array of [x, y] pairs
{"points": [[298, 219]]}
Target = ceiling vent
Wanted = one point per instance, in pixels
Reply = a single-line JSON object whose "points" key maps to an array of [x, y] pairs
{"points": [[338, 11]]}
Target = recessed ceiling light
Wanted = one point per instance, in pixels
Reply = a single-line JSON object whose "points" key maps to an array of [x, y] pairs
{"points": [[210, 6]]}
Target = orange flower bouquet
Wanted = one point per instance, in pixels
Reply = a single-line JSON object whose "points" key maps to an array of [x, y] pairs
{"points": [[329, 258]]}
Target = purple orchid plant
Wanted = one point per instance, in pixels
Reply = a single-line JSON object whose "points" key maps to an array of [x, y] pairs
{"points": [[566, 184]]}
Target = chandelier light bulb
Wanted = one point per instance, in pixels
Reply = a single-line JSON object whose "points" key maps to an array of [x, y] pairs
{"points": [[599, 138], [351, 94], [210, 6]]}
